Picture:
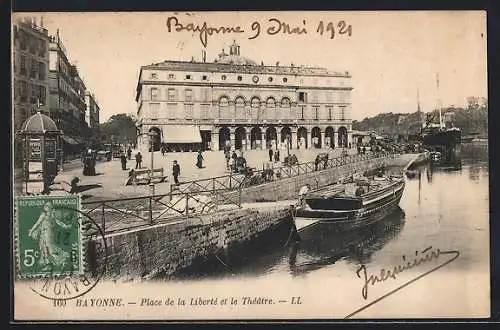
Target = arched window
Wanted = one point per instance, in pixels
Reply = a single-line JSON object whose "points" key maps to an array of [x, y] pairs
{"points": [[285, 102], [255, 102], [239, 102], [223, 101], [270, 103]]}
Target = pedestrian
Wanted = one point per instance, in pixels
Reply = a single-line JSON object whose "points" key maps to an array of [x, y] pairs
{"points": [[123, 159], [138, 160], [163, 150], [129, 153], [270, 155], [176, 171], [303, 193], [228, 157], [199, 162], [316, 162], [277, 156], [234, 156]]}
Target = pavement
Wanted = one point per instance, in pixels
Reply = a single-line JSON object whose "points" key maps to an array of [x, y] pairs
{"points": [[109, 183]]}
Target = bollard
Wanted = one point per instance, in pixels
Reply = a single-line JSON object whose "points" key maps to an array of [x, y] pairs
{"points": [[151, 189]]}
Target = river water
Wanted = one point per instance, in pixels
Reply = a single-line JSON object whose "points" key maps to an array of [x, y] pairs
{"points": [[442, 208]]}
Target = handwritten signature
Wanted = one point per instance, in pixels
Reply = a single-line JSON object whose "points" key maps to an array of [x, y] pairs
{"points": [[421, 257]]}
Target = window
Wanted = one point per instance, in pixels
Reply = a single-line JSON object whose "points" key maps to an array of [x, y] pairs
{"points": [[41, 71], [223, 101], [172, 94], [285, 79], [154, 110], [33, 45], [255, 79], [33, 93], [188, 111], [255, 102], [188, 95], [42, 49], [205, 94], [240, 102], [23, 40], [342, 113], [42, 94], [204, 78], [205, 111], [329, 110], [270, 79], [188, 77], [285, 102], [171, 76], [154, 76], [154, 93], [302, 97], [171, 110], [316, 112], [271, 103], [23, 65], [23, 91], [34, 67], [240, 78], [223, 77]]}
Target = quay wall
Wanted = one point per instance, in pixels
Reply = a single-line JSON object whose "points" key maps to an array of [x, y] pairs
{"points": [[288, 188], [168, 248]]}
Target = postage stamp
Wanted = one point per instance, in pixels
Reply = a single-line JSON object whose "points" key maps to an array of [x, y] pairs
{"points": [[48, 234]]}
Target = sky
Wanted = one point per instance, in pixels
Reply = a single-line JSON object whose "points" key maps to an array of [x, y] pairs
{"points": [[390, 55]]}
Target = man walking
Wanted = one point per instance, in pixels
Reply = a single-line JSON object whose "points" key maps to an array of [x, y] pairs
{"points": [[129, 153], [176, 171], [138, 160], [123, 159], [270, 155]]}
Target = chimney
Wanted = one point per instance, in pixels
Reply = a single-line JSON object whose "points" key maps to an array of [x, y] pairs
{"points": [[203, 56], [41, 21]]}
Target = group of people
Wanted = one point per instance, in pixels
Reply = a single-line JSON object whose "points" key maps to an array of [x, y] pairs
{"points": [[276, 155]]}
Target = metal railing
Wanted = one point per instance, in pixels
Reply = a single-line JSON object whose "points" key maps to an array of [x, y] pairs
{"points": [[127, 213], [237, 181]]}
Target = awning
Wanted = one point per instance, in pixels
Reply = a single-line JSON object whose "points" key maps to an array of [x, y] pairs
{"points": [[69, 140], [181, 134]]}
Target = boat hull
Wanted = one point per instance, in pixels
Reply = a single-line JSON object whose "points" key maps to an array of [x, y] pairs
{"points": [[366, 215], [447, 142]]}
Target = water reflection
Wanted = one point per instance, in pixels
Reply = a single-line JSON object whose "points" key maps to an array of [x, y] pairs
{"points": [[329, 246]]}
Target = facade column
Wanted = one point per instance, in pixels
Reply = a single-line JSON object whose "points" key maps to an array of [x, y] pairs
{"points": [[215, 140], [263, 142], [309, 139], [349, 138], [248, 138], [323, 138], [278, 137], [336, 139], [232, 131], [294, 138]]}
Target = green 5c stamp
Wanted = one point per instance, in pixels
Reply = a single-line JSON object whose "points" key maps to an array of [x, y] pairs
{"points": [[49, 238]]}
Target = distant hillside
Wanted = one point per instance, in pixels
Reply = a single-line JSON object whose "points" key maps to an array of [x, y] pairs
{"points": [[472, 120]]}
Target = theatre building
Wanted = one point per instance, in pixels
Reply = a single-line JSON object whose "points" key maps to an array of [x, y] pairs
{"points": [[187, 105]]}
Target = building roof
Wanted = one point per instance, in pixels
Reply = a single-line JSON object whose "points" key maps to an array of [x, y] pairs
{"points": [[39, 123], [235, 62], [240, 64]]}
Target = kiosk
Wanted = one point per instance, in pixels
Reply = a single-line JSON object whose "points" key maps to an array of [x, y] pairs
{"points": [[41, 139]]}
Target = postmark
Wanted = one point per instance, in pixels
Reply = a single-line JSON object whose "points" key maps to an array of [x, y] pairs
{"points": [[64, 280], [49, 237]]}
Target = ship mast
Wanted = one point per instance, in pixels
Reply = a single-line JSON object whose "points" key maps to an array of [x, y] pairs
{"points": [[439, 102], [419, 110]]}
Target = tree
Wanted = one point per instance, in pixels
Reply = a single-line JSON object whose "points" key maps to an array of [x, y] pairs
{"points": [[120, 128]]}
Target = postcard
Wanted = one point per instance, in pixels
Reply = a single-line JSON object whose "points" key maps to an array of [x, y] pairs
{"points": [[194, 166]]}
